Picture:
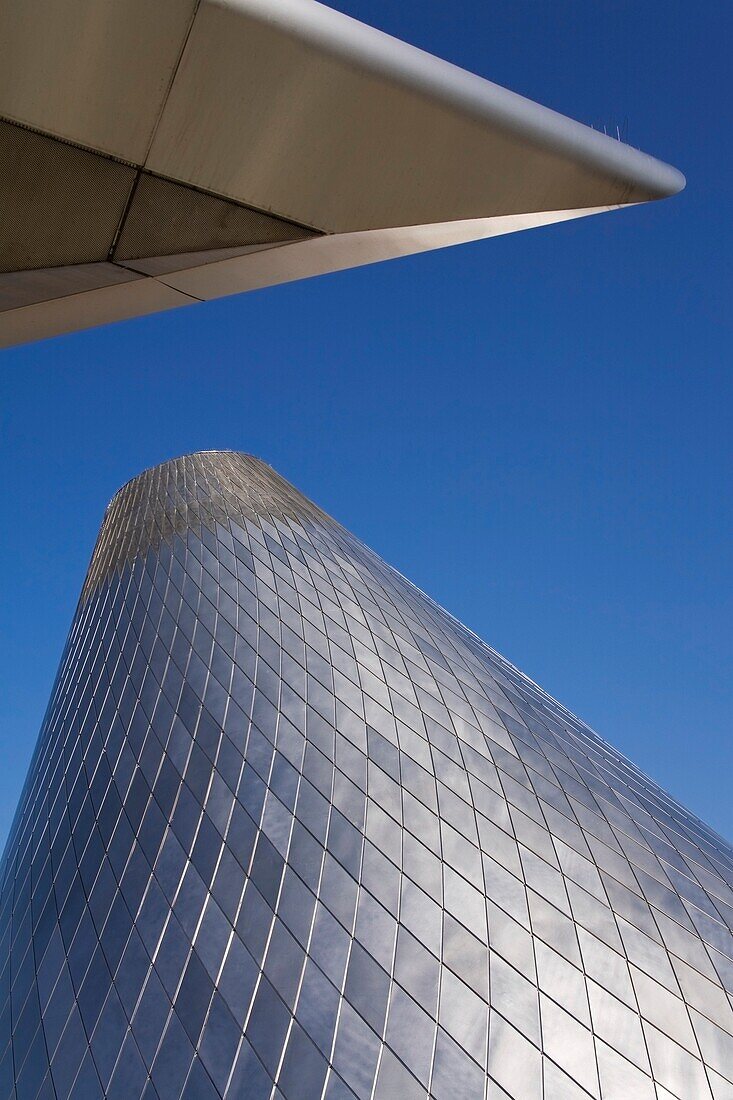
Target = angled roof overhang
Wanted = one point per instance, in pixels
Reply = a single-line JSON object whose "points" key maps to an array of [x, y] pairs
{"points": [[158, 154]]}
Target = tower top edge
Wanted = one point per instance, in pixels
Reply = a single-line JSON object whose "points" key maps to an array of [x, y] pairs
{"points": [[192, 492], [170, 463]]}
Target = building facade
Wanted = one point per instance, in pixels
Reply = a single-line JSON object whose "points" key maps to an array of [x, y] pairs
{"points": [[291, 831]]}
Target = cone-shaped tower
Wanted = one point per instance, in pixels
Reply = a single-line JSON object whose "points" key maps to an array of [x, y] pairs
{"points": [[292, 832]]}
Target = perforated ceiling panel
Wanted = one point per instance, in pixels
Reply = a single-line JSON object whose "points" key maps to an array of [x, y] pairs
{"points": [[59, 204], [62, 206], [166, 218]]}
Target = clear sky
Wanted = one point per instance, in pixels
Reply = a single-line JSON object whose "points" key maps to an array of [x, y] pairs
{"points": [[535, 430]]}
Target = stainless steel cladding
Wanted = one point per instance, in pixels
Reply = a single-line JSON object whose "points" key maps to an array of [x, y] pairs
{"points": [[291, 831]]}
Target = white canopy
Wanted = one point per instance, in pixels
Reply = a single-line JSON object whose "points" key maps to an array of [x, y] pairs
{"points": [[163, 153]]}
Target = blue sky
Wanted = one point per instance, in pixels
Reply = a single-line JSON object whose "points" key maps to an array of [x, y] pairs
{"points": [[536, 430]]}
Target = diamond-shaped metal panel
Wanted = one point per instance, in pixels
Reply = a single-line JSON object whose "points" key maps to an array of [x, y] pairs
{"points": [[291, 831]]}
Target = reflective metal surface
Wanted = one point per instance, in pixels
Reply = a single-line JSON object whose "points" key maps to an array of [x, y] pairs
{"points": [[94, 72], [185, 126], [291, 831]]}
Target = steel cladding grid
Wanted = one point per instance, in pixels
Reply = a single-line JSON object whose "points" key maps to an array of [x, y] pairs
{"points": [[292, 831]]}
